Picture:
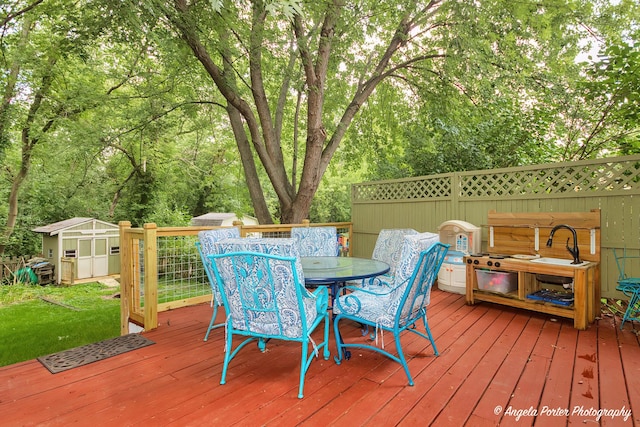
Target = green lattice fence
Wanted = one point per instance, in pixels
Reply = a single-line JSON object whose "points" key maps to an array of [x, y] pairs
{"points": [[612, 176]]}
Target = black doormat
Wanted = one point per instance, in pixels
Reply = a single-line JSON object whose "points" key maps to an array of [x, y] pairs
{"points": [[79, 356]]}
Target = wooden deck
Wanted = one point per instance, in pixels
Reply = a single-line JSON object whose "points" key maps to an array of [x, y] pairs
{"points": [[492, 358]]}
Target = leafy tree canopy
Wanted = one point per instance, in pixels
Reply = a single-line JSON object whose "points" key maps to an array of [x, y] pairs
{"points": [[162, 110]]}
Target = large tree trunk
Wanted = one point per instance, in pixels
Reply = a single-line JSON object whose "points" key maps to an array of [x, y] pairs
{"points": [[16, 184], [260, 207]]}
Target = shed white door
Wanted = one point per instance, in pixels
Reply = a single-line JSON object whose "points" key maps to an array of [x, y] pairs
{"points": [[84, 258], [100, 258], [92, 258]]}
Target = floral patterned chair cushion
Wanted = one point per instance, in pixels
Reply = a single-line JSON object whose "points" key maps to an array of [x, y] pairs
{"points": [[381, 306], [316, 241], [205, 245], [281, 300], [388, 249], [388, 246]]}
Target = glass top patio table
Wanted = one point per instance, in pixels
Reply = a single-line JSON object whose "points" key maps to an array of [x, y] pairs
{"points": [[325, 270], [335, 271]]}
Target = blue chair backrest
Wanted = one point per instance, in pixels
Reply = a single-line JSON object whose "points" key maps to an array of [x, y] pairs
{"points": [[388, 246], [316, 241], [262, 286], [206, 246]]}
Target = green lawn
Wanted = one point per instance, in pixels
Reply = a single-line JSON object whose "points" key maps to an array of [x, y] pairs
{"points": [[74, 316]]}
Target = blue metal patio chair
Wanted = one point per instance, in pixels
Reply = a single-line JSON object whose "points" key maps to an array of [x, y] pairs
{"points": [[205, 245], [630, 286], [316, 241], [262, 287], [395, 309]]}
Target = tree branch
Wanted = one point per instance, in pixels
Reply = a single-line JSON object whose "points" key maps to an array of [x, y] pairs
{"points": [[10, 16]]}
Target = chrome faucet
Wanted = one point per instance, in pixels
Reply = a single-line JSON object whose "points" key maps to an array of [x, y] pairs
{"points": [[575, 252]]}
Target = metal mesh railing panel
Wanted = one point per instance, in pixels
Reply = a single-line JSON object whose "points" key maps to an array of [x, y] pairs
{"points": [[181, 274]]}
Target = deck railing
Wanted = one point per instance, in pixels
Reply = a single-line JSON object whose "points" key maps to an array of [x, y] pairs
{"points": [[161, 269]]}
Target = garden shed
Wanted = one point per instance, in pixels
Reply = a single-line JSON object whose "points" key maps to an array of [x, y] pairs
{"points": [[215, 219], [81, 248]]}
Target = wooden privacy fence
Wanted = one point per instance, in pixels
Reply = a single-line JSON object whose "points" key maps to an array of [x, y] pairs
{"points": [[611, 185], [160, 268]]}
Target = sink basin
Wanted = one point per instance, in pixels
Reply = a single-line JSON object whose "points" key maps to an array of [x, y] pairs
{"points": [[558, 261]]}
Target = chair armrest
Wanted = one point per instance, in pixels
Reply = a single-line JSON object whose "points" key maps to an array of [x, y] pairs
{"points": [[321, 294], [378, 290], [386, 291], [379, 281]]}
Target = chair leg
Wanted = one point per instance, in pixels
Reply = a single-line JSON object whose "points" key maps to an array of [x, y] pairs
{"points": [[228, 355], [426, 327], [325, 351], [401, 358], [631, 311], [213, 319], [338, 337], [303, 367]]}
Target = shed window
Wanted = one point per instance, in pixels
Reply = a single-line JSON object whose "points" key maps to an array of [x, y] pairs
{"points": [[50, 253], [70, 253], [114, 250]]}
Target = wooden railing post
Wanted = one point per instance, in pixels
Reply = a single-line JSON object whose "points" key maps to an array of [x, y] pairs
{"points": [[150, 277], [125, 277]]}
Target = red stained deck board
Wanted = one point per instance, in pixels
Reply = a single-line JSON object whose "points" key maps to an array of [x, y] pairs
{"points": [[499, 391], [467, 378], [457, 410], [451, 343], [378, 398], [484, 405], [327, 392], [440, 373], [585, 387], [527, 393], [489, 352], [611, 382], [557, 389], [437, 399], [630, 355], [385, 386]]}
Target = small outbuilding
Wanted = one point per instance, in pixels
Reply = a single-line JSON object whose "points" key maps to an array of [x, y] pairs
{"points": [[90, 246], [213, 219]]}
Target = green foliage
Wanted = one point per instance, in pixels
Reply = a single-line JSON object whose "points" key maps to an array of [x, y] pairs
{"points": [[613, 84], [507, 92], [332, 202], [140, 132]]}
